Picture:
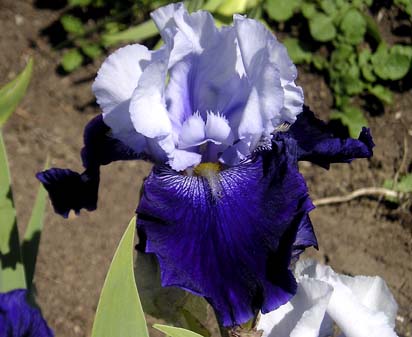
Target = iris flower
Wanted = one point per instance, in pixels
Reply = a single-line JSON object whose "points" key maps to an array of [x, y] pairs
{"points": [[19, 319], [361, 306], [225, 208]]}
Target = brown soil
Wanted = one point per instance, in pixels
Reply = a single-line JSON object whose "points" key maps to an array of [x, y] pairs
{"points": [[364, 236]]}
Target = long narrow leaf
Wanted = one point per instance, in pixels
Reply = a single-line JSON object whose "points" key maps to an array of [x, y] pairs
{"points": [[134, 34], [31, 241], [12, 93], [120, 312], [175, 332], [11, 268]]}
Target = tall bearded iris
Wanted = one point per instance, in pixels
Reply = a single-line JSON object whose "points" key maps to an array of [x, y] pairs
{"points": [[224, 209]]}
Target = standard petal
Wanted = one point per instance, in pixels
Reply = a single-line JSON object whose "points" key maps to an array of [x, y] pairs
{"points": [[302, 316], [207, 245], [147, 107], [263, 74], [69, 190], [270, 70], [18, 318], [118, 77], [311, 139]]}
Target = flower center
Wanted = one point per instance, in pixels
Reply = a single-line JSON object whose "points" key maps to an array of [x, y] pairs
{"points": [[211, 172], [207, 169]]}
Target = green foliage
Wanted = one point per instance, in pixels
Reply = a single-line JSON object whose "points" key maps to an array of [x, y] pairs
{"points": [[13, 92], [352, 117], [171, 304], [172, 331], [344, 38], [72, 60], [31, 241], [119, 312], [402, 185], [72, 25], [392, 63], [297, 51], [133, 34], [281, 10], [13, 273], [406, 5], [11, 267], [321, 27]]}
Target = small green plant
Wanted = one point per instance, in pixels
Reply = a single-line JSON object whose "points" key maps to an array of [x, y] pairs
{"points": [[356, 61], [122, 21]]}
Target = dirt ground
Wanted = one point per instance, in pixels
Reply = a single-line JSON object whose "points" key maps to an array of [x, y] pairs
{"points": [[365, 236]]}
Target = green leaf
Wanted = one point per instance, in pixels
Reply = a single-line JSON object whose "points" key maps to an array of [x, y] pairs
{"points": [[72, 25], [281, 10], [391, 63], [13, 92], [353, 26], [81, 3], [230, 7], [171, 304], [328, 7], [31, 241], [175, 332], [405, 184], [379, 91], [11, 267], [321, 27], [319, 62], [212, 5], [297, 51], [372, 28], [134, 34], [366, 66], [352, 118], [119, 312], [92, 50], [308, 9], [71, 60]]}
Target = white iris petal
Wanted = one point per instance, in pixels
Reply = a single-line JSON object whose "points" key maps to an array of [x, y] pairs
{"points": [[361, 306]]}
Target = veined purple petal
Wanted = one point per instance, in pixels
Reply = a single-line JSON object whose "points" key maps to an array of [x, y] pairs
{"points": [[19, 319], [69, 190], [311, 139], [228, 237]]}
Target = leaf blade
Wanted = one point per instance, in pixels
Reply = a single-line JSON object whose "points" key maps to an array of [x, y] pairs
{"points": [[175, 332], [31, 240], [11, 267], [119, 312], [13, 92]]}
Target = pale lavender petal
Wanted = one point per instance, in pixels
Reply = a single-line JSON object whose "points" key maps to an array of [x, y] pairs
{"points": [[218, 130], [118, 77], [147, 107], [192, 132], [263, 74]]}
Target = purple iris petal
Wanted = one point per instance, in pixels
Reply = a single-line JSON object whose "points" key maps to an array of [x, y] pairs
{"points": [[315, 142], [69, 190], [229, 238], [19, 319]]}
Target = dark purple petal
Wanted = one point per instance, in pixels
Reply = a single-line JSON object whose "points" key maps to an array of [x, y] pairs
{"points": [[19, 319], [229, 239], [311, 139], [69, 190]]}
